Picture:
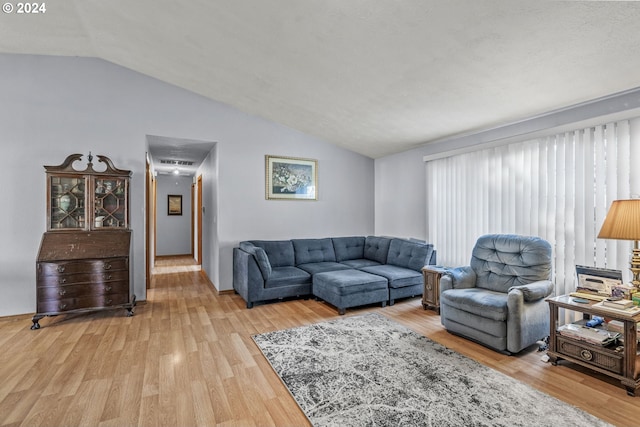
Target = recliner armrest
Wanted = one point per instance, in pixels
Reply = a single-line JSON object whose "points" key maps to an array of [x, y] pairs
{"points": [[458, 278], [534, 291]]}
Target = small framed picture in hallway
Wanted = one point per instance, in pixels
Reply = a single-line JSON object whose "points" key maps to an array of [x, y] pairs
{"points": [[175, 204]]}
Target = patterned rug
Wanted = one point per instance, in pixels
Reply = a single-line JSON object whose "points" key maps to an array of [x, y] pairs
{"points": [[368, 370]]}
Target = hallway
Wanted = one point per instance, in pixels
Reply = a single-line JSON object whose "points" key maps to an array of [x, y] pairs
{"points": [[175, 264]]}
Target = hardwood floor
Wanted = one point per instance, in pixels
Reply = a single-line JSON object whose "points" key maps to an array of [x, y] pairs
{"points": [[187, 359]]}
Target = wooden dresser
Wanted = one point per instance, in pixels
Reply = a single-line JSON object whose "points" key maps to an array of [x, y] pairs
{"points": [[83, 261], [83, 271]]}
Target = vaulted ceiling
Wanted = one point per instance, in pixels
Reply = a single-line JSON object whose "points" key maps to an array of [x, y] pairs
{"points": [[376, 77]]}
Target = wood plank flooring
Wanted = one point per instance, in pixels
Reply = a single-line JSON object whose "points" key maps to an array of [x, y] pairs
{"points": [[187, 359]]}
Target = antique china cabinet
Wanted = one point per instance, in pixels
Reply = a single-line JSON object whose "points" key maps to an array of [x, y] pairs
{"points": [[83, 261]]}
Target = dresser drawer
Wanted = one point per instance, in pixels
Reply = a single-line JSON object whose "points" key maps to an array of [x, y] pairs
{"points": [[598, 356], [83, 290], [94, 301], [69, 279], [84, 266]]}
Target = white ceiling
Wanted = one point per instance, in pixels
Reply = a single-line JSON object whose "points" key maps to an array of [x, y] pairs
{"points": [[377, 77]]}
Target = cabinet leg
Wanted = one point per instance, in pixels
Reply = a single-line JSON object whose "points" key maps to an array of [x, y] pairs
{"points": [[36, 322], [631, 391]]}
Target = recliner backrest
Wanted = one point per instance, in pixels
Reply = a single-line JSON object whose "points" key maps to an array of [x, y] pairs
{"points": [[505, 260]]}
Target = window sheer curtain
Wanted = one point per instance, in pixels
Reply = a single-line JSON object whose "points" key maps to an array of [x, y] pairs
{"points": [[559, 188]]}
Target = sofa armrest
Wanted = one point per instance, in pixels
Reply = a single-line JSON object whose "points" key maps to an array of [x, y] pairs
{"points": [[458, 278], [260, 256], [534, 291]]}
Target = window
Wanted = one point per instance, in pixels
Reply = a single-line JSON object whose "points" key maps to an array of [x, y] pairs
{"points": [[558, 187]]}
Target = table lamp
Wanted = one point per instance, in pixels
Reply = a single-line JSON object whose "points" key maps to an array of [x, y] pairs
{"points": [[623, 223]]}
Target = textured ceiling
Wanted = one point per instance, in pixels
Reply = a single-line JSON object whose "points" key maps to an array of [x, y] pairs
{"points": [[377, 77]]}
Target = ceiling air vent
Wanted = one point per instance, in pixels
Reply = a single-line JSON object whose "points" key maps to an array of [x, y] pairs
{"points": [[176, 162]]}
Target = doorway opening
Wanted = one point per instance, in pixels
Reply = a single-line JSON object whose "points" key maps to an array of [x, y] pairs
{"points": [[175, 204], [175, 264]]}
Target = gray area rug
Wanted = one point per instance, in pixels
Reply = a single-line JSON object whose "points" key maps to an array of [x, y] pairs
{"points": [[368, 370]]}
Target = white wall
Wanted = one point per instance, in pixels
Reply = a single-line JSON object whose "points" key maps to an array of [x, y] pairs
{"points": [[400, 196], [54, 106], [173, 232]]}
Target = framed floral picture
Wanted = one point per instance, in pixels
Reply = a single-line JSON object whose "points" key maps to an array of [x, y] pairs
{"points": [[291, 178]]}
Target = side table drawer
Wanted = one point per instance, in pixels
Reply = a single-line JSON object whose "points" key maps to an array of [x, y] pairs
{"points": [[598, 356]]}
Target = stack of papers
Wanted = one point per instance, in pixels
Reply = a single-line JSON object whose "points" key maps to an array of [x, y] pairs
{"points": [[591, 335], [633, 310]]}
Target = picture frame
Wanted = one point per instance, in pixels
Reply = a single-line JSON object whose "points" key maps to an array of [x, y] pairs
{"points": [[174, 204], [291, 178]]}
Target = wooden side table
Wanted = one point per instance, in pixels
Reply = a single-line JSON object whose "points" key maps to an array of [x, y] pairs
{"points": [[622, 362], [431, 290]]}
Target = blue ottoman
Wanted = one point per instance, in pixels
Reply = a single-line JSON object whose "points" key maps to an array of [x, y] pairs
{"points": [[350, 288]]}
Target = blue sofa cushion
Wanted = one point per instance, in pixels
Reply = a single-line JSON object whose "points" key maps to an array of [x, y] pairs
{"points": [[286, 276], [348, 248], [261, 257], [398, 277], [348, 282], [313, 250], [360, 263], [481, 302], [321, 267], [279, 252], [503, 261], [413, 255], [376, 248]]}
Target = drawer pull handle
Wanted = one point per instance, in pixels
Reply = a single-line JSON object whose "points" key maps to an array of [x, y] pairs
{"points": [[107, 288], [62, 280], [61, 269], [109, 301], [107, 277], [586, 355], [61, 292], [63, 306], [107, 266]]}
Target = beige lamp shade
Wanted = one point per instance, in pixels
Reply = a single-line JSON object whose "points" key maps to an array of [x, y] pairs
{"points": [[622, 221]]}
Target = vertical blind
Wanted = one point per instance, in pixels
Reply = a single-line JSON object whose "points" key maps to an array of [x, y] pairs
{"points": [[557, 187]]}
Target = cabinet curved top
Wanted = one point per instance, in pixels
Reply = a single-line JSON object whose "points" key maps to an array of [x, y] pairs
{"points": [[67, 166]]}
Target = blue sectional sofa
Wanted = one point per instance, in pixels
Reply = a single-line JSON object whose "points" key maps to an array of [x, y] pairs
{"points": [[344, 271]]}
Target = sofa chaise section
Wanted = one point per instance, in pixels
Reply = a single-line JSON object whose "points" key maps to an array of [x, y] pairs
{"points": [[350, 288], [403, 267]]}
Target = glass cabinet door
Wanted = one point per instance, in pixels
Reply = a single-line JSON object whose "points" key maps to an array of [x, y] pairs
{"points": [[110, 197], [67, 203]]}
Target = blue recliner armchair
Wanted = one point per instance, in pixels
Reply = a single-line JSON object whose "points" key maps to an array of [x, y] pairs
{"points": [[499, 299]]}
